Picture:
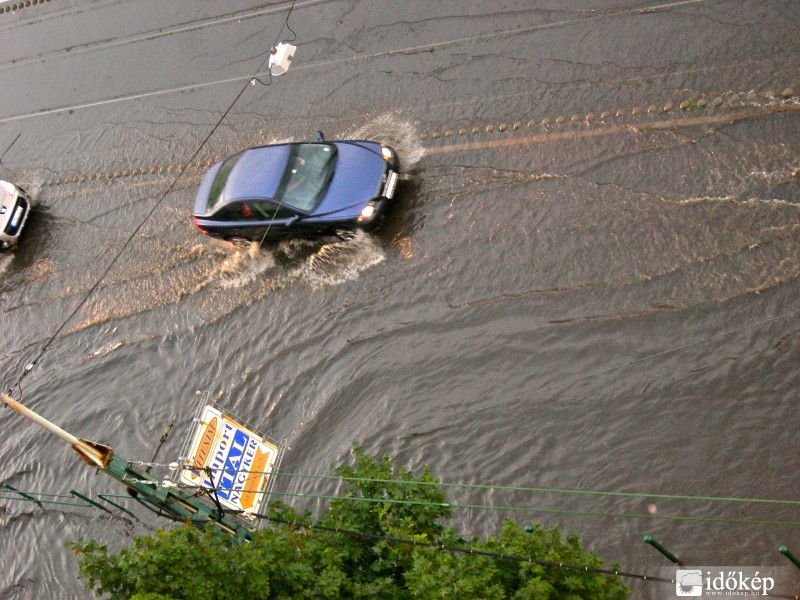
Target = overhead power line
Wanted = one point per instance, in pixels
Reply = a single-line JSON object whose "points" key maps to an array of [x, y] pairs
{"points": [[463, 549], [141, 224], [493, 487]]}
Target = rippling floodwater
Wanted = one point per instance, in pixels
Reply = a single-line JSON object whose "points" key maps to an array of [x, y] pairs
{"points": [[582, 285]]}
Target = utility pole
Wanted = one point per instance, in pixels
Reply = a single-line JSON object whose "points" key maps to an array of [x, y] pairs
{"points": [[170, 502]]}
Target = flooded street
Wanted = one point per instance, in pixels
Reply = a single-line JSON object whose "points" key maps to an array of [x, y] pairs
{"points": [[582, 308]]}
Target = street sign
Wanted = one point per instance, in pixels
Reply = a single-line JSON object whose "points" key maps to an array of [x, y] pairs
{"points": [[230, 458]]}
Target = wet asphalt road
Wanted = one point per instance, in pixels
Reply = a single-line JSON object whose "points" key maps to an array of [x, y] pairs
{"points": [[588, 282]]}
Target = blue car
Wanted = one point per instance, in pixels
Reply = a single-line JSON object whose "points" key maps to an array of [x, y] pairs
{"points": [[304, 189]]}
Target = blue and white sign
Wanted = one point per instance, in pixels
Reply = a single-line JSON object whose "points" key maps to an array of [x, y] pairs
{"points": [[231, 459]]}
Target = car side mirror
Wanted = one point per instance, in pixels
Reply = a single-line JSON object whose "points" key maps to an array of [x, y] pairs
{"points": [[292, 220], [319, 137]]}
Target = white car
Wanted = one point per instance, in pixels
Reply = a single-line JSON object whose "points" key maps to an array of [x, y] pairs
{"points": [[14, 208]]}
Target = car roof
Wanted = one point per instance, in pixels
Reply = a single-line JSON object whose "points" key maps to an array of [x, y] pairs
{"points": [[257, 173]]}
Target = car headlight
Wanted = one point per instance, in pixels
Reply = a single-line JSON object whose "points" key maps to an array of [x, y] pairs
{"points": [[387, 153], [367, 212]]}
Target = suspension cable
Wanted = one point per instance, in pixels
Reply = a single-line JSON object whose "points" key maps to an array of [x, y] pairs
{"points": [[182, 169], [489, 487]]}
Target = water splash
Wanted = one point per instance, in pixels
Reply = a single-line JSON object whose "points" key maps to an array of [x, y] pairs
{"points": [[32, 183], [341, 261], [307, 261], [247, 263], [293, 249], [5, 262], [393, 131]]}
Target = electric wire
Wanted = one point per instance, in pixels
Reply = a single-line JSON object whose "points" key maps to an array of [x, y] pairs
{"points": [[462, 550], [430, 47], [191, 26], [418, 543], [470, 506], [529, 509], [272, 49], [181, 171], [280, 201], [2, 156], [487, 487], [487, 554], [466, 550], [549, 490]]}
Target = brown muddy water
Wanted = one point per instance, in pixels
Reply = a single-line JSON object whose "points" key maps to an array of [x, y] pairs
{"points": [[588, 282]]}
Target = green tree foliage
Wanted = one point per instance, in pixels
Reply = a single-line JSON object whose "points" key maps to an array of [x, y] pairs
{"points": [[291, 560]]}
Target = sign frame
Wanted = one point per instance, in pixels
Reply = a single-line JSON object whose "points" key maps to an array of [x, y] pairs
{"points": [[231, 459]]}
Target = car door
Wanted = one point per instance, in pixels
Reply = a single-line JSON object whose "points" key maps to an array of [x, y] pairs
{"points": [[273, 221]]}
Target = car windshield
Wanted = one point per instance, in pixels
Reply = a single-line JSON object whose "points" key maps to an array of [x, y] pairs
{"points": [[307, 175], [216, 195]]}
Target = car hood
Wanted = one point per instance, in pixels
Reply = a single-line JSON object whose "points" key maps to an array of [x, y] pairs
{"points": [[357, 180]]}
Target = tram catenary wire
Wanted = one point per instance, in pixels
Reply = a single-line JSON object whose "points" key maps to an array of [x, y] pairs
{"points": [[501, 488], [147, 36], [399, 51], [487, 554], [530, 509], [463, 550], [437, 546], [141, 224], [507, 508]]}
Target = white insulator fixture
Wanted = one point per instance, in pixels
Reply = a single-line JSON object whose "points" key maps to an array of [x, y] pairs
{"points": [[280, 58]]}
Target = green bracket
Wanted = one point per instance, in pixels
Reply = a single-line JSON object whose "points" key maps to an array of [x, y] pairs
{"points": [[648, 539], [172, 503], [114, 504], [89, 500], [23, 494]]}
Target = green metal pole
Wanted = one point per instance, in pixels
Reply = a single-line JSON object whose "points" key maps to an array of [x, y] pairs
{"points": [[785, 551], [648, 539], [142, 486]]}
